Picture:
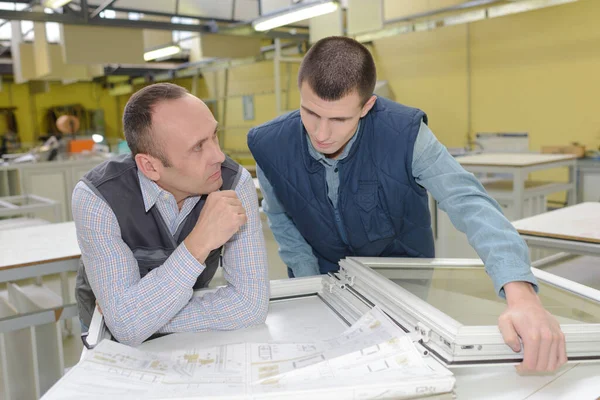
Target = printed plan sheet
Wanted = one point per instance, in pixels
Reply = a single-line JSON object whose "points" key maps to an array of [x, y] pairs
{"points": [[372, 359]]}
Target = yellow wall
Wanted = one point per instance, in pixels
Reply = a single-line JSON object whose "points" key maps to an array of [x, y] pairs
{"points": [[534, 72], [90, 95], [539, 72], [253, 79], [428, 70]]}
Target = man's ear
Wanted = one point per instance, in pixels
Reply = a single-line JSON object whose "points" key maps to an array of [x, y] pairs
{"points": [[149, 166], [368, 105]]}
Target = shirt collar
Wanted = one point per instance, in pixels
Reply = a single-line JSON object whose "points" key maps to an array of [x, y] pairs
{"points": [[150, 191]]}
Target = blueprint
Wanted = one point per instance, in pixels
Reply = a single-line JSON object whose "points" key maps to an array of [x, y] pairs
{"points": [[373, 358]]}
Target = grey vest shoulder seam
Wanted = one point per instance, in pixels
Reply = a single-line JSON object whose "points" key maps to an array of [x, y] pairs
{"points": [[94, 189], [117, 174]]}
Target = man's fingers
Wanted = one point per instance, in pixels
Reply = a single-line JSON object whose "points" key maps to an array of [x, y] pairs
{"points": [[509, 334], [239, 210], [546, 345], [228, 200], [553, 356], [99, 309], [227, 194], [562, 350], [531, 347]]}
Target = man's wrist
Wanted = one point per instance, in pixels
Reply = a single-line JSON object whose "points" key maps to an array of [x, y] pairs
{"points": [[519, 291], [198, 251]]}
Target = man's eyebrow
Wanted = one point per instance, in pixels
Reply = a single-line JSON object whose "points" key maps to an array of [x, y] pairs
{"points": [[310, 111], [201, 141], [198, 143], [315, 114], [341, 118]]}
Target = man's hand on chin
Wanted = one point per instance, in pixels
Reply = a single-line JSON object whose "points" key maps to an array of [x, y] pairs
{"points": [[526, 318]]}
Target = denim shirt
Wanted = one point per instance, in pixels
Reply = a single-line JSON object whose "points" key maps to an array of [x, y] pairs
{"points": [[458, 193]]}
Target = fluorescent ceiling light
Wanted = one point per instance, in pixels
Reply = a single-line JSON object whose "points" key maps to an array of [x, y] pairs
{"points": [[294, 14], [56, 3], [514, 8], [162, 52]]}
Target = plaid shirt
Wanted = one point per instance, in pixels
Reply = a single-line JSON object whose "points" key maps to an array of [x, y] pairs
{"points": [[163, 301]]}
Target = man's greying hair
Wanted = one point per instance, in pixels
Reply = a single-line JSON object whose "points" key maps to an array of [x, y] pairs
{"points": [[137, 118], [336, 66]]}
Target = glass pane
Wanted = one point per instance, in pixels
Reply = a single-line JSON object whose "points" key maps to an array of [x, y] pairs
{"points": [[468, 296]]}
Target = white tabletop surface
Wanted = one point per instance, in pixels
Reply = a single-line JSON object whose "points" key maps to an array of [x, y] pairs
{"points": [[312, 320], [512, 159], [38, 244], [572, 381], [580, 222]]}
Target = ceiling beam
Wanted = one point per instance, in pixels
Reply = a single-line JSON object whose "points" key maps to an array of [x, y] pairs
{"points": [[198, 17], [166, 14], [69, 19], [101, 7], [74, 20], [84, 10]]}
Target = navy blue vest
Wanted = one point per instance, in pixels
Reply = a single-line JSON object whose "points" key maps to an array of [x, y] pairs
{"points": [[383, 211]]}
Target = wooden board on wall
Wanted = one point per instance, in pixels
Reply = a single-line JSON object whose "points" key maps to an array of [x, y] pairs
{"points": [[102, 45], [364, 16], [326, 25], [25, 63], [229, 46], [41, 50]]}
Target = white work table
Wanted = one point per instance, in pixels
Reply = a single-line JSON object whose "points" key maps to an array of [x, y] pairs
{"points": [[574, 229], [39, 250], [30, 326], [519, 165], [309, 309], [290, 322], [38, 245]]}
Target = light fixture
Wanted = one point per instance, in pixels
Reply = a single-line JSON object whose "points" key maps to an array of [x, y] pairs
{"points": [[162, 52], [97, 138], [56, 3], [294, 14]]}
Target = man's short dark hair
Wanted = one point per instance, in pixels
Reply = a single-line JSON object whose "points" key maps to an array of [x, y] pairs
{"points": [[336, 66], [137, 118]]}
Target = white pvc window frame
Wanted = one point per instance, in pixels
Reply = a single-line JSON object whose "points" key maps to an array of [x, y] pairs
{"points": [[451, 342]]}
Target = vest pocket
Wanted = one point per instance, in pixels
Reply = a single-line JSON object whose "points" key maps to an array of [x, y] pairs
{"points": [[375, 221]]}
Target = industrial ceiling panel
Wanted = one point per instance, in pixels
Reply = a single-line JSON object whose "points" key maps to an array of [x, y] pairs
{"points": [[164, 6], [222, 9]]}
